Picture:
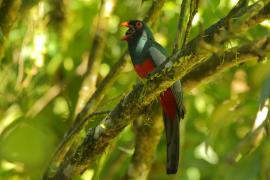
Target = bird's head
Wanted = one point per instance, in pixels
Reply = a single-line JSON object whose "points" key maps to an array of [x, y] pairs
{"points": [[135, 30]]}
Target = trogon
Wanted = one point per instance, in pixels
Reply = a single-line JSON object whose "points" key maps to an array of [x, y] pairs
{"points": [[146, 55]]}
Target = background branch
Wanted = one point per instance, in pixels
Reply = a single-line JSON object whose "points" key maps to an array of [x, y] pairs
{"points": [[247, 144], [147, 136], [194, 5], [217, 64], [44, 100], [95, 55], [180, 30]]}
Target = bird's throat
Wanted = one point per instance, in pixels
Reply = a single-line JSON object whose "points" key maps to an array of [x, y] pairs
{"points": [[141, 43]]}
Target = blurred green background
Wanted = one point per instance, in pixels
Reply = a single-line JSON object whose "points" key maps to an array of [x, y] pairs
{"points": [[42, 72]]}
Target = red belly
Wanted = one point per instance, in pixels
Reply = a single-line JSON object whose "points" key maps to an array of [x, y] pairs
{"points": [[167, 99], [145, 68], [168, 103]]}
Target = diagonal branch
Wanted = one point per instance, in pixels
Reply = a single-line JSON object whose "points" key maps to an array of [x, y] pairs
{"points": [[143, 156], [248, 144], [206, 71], [99, 137], [94, 101], [133, 104], [146, 141], [254, 138], [203, 73], [98, 95]]}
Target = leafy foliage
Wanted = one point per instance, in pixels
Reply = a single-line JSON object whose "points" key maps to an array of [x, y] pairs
{"points": [[44, 66]]}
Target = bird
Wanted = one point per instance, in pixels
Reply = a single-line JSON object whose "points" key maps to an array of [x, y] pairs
{"points": [[146, 55]]}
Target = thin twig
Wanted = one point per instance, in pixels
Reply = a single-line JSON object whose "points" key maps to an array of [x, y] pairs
{"points": [[26, 40], [97, 114], [44, 100], [180, 30], [194, 5]]}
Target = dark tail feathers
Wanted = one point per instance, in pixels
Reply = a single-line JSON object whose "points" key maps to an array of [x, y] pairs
{"points": [[172, 137]]}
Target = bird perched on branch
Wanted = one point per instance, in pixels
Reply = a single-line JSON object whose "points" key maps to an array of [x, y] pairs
{"points": [[146, 55]]}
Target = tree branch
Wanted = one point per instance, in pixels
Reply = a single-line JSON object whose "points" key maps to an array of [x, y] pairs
{"points": [[96, 98], [147, 139], [98, 95], [180, 30], [202, 74], [9, 10], [194, 5], [153, 13], [254, 138], [95, 57], [247, 144], [42, 102], [217, 64], [99, 137], [209, 35]]}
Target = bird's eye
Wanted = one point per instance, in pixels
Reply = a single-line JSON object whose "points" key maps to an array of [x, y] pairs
{"points": [[139, 25]]}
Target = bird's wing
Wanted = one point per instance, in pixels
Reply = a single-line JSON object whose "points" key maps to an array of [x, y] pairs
{"points": [[159, 55], [178, 94]]}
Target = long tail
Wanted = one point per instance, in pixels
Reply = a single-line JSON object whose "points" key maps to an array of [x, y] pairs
{"points": [[172, 137]]}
